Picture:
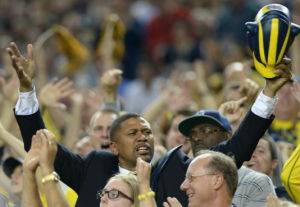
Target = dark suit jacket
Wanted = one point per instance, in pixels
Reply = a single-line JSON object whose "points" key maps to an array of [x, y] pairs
{"points": [[87, 175]]}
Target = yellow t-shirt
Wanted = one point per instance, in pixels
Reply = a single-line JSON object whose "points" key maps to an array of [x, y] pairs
{"points": [[290, 175]]}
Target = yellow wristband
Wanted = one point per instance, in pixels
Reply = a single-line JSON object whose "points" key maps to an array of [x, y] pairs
{"points": [[150, 194]]}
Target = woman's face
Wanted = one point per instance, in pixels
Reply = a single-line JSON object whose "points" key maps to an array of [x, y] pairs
{"points": [[120, 201]]}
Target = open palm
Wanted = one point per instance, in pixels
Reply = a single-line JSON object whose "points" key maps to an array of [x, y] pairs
{"points": [[25, 68]]}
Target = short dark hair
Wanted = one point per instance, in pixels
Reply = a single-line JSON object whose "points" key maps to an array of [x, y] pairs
{"points": [[220, 163], [272, 145], [116, 125]]}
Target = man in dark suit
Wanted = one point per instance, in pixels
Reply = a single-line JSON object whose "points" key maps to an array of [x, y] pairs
{"points": [[132, 137]]}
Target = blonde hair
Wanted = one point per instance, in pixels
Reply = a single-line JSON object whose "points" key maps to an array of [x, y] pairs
{"points": [[132, 183], [98, 113]]}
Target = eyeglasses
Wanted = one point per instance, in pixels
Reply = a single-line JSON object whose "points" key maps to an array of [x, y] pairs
{"points": [[191, 178], [203, 133], [112, 194]]}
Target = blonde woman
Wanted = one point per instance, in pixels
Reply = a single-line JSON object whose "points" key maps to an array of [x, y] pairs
{"points": [[120, 191]]}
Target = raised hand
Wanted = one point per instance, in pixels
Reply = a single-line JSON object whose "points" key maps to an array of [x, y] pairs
{"points": [[250, 89], [177, 98], [49, 151], [92, 100], [296, 90], [8, 89], [283, 70], [143, 175], [232, 110], [25, 68], [54, 91], [172, 202], [31, 161], [110, 81]]}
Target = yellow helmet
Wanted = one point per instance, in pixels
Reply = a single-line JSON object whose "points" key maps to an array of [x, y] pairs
{"points": [[270, 36]]}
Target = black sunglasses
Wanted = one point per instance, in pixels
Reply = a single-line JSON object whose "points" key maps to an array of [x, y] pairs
{"points": [[112, 194]]}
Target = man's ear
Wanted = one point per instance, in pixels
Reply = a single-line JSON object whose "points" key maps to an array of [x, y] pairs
{"points": [[228, 135], [114, 148], [218, 182]]}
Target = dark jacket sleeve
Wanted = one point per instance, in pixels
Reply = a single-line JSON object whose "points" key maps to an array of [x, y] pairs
{"points": [[65, 161], [29, 125], [244, 141]]}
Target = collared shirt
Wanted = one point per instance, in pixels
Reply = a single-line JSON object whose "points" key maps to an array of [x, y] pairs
{"points": [[125, 171]]}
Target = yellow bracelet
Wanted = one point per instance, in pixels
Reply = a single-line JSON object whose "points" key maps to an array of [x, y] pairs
{"points": [[147, 195]]}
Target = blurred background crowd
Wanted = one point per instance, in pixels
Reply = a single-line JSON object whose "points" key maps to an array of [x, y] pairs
{"points": [[173, 55]]}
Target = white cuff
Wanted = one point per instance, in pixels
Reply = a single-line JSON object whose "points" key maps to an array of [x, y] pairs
{"points": [[264, 105], [27, 103]]}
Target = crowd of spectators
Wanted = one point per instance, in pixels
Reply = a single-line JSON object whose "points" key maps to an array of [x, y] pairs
{"points": [[174, 58]]}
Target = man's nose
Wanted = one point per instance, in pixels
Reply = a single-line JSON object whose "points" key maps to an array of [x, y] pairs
{"points": [[185, 185], [141, 136]]}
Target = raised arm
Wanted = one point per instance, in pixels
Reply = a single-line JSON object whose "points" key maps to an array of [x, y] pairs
{"points": [[13, 142], [109, 84], [53, 192], [30, 194], [257, 121], [30, 121], [147, 196]]}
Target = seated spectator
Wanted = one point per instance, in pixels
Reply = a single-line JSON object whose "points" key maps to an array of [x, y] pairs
{"points": [[264, 160], [219, 180]]}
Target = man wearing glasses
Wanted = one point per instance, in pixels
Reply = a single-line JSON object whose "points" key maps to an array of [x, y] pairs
{"points": [[207, 129], [211, 180]]}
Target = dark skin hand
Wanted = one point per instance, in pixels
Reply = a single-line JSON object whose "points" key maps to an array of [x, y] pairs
{"points": [[25, 68], [284, 71]]}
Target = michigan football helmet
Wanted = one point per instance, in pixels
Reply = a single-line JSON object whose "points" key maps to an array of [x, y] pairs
{"points": [[270, 36]]}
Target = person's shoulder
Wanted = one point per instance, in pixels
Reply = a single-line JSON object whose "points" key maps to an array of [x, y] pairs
{"points": [[101, 155], [175, 154], [246, 175]]}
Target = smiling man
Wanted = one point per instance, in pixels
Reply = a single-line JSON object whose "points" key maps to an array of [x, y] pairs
{"points": [[207, 129], [211, 180]]}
